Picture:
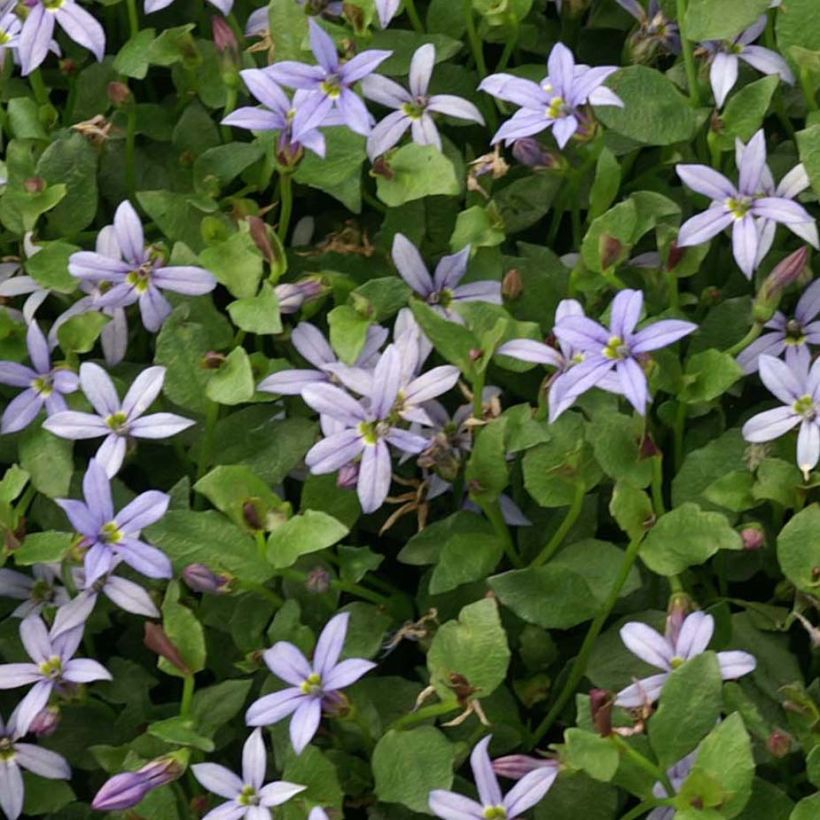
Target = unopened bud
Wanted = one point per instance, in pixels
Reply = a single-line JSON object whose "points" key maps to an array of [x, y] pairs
{"points": [[610, 251], [512, 285], [158, 641], [515, 767], [259, 232], [318, 581], [252, 514], [224, 38], [68, 67], [476, 354], [292, 296], [753, 537], [675, 255], [119, 94], [648, 448], [784, 274], [779, 743], [680, 605], [200, 578], [34, 185], [529, 151], [123, 791], [213, 360], [601, 702], [381, 168], [348, 476], [45, 722]]}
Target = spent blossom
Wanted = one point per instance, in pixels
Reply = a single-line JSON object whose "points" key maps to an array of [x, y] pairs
{"points": [[313, 684], [556, 102], [44, 385], [247, 796], [138, 272], [796, 384], [613, 350], [36, 591], [119, 421], [109, 535], [330, 84], [16, 756], [413, 108], [529, 791], [54, 666], [742, 206], [725, 56], [681, 642]]}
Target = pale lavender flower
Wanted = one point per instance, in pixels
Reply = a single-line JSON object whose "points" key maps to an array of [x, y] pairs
{"points": [[278, 113], [126, 790], [44, 385], [327, 8], [12, 284], [680, 643], [312, 684], [38, 30], [119, 421], [224, 6], [292, 295], [257, 23], [246, 796], [330, 84], [387, 10], [792, 336], [36, 592], [414, 108], [441, 289], [615, 348], [555, 102], [677, 775], [741, 205], [363, 429], [54, 667], [529, 790], [798, 387], [138, 273], [312, 346], [109, 536], [10, 26], [725, 56], [15, 756]]}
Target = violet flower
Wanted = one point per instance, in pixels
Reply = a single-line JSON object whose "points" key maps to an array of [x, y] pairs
{"points": [[117, 420], [312, 346], [413, 108], [798, 388], [441, 289], [615, 348], [681, 642], [278, 113], [529, 790], [387, 10], [36, 592], [45, 385], [328, 8], [517, 766], [38, 30], [15, 756], [555, 102], [139, 273], [224, 6], [790, 335], [740, 206], [13, 284], [54, 666], [654, 31], [126, 790], [725, 56], [330, 84], [247, 796], [10, 26], [677, 776], [312, 684], [109, 535]]}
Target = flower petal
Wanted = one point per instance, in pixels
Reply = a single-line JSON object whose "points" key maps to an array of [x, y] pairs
{"points": [[647, 644]]}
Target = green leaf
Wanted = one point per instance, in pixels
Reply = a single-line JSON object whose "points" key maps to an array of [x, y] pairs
{"points": [[219, 166], [180, 732], [592, 753], [467, 555], [257, 314], [407, 766], [461, 530], [798, 549], [521, 204], [320, 492], [288, 26], [416, 171], [704, 466], [777, 480], [348, 332], [807, 808], [43, 548], [79, 334], [632, 509], [237, 263], [654, 112], [452, 340], [707, 20], [217, 705], [808, 141], [20, 209], [13, 483], [487, 473], [178, 216], [797, 25], [174, 45], [339, 172], [479, 227], [598, 563], [356, 562], [690, 705], [310, 531], [49, 266], [404, 44], [606, 184], [184, 631], [379, 299], [551, 597], [616, 442], [708, 376], [745, 111], [233, 382], [685, 537], [474, 646], [24, 119], [45, 796], [132, 59], [312, 769], [48, 460]]}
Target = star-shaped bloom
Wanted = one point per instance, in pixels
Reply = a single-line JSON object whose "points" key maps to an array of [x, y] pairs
{"points": [[12, 284], [53, 667], [38, 30], [139, 273], [725, 56], [613, 349], [16, 756], [330, 84], [555, 102], [792, 336], [44, 385], [117, 420], [10, 26], [312, 683], [246, 796], [441, 289], [37, 592], [680, 643], [797, 386], [529, 790], [224, 6], [414, 108], [742, 206]]}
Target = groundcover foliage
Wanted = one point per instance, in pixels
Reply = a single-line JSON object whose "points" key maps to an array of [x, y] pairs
{"points": [[410, 408]]}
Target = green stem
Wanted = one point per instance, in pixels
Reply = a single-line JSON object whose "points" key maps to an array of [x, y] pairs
{"points": [[230, 104], [412, 13], [425, 713], [657, 485], [268, 165], [643, 808], [809, 90], [26, 498], [475, 42], [133, 18], [566, 525], [509, 48], [675, 584], [478, 394], [263, 591], [188, 687], [492, 509], [688, 56], [674, 298], [753, 333], [680, 424], [130, 148], [207, 445], [286, 199], [38, 87], [644, 762], [580, 665], [261, 545]]}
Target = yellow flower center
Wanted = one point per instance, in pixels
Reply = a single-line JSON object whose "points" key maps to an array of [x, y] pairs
{"points": [[495, 813], [52, 668], [313, 685], [676, 662], [616, 349], [248, 797], [332, 87], [739, 206], [43, 386], [804, 407], [117, 422], [556, 108], [110, 533]]}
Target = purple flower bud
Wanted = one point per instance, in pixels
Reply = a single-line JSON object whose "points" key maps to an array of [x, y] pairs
{"points": [[348, 476], [753, 537], [318, 581], [293, 296], [515, 767], [201, 579], [600, 705], [512, 285], [158, 641], [679, 608], [123, 791], [779, 743], [784, 274], [529, 151], [45, 723], [224, 38]]}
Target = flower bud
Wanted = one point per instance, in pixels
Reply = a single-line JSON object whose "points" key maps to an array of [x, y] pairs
{"points": [[158, 641], [680, 605], [201, 579], [259, 232], [213, 360], [779, 743], [318, 581], [600, 705], [34, 185], [124, 791], [675, 255], [119, 94], [292, 296], [224, 38], [753, 537], [512, 286], [348, 476], [515, 767], [610, 251], [45, 722], [529, 151], [784, 274]]}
